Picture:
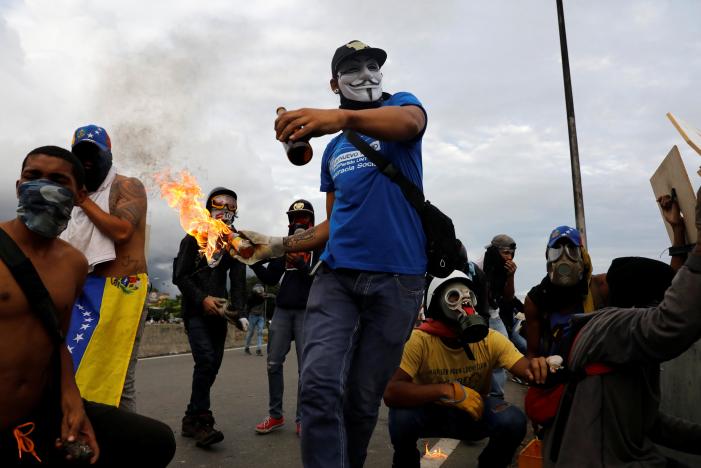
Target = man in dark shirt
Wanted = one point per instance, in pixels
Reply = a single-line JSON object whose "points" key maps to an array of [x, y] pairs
{"points": [[290, 304], [203, 288], [614, 418]]}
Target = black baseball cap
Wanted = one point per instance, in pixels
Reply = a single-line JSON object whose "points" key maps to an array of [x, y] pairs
{"points": [[298, 207], [354, 48]]}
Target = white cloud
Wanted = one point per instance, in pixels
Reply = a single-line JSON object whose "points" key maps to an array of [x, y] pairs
{"points": [[184, 86]]}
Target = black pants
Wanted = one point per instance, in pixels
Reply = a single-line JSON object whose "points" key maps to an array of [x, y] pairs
{"points": [[207, 335], [125, 439]]}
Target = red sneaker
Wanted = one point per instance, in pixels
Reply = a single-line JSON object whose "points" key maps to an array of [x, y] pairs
{"points": [[270, 424]]}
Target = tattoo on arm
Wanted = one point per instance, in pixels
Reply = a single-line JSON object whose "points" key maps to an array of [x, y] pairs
{"points": [[128, 201], [302, 237]]}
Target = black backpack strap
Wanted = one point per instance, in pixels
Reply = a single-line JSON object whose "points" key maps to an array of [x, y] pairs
{"points": [[33, 288], [410, 191]]}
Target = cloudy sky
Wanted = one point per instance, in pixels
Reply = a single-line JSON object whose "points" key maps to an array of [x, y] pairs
{"points": [[194, 85]]}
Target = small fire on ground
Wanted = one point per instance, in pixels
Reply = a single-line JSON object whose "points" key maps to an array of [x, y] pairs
{"points": [[435, 454], [182, 192]]}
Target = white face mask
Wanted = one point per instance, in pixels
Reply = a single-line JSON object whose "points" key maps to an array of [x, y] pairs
{"points": [[360, 79]]}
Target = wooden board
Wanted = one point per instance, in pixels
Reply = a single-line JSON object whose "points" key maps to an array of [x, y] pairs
{"points": [[672, 175], [690, 134]]}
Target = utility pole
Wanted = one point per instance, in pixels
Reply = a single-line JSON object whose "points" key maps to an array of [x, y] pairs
{"points": [[571, 129]]}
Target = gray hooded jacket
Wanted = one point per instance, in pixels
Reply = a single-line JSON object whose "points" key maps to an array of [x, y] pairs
{"points": [[614, 419]]}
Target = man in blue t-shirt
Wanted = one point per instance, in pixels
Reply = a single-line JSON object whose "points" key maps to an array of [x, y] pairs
{"points": [[368, 289]]}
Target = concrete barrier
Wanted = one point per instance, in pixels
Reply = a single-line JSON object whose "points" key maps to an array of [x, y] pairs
{"points": [[680, 380], [168, 338]]}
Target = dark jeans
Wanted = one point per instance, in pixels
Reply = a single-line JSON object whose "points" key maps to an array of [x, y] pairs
{"points": [[206, 334], [504, 424], [285, 327], [356, 325], [124, 438]]}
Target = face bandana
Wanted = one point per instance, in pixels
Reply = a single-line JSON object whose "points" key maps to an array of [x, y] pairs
{"points": [[360, 80], [96, 163], [44, 207]]}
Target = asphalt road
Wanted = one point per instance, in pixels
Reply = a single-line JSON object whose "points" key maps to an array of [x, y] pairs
{"points": [[239, 402]]}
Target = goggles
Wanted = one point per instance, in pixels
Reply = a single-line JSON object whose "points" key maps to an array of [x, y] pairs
{"points": [[224, 203], [573, 252]]}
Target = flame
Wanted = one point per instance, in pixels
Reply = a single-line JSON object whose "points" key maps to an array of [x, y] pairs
{"points": [[183, 193], [433, 454]]}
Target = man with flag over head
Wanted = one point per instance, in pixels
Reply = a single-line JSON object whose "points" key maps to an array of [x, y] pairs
{"points": [[109, 228]]}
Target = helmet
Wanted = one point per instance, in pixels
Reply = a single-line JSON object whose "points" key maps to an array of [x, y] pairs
{"points": [[436, 283], [300, 207], [219, 191]]}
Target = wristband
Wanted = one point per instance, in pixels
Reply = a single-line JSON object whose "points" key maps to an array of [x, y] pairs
{"points": [[680, 250]]}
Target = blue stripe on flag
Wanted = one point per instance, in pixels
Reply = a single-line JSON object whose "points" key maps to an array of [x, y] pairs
{"points": [[84, 318]]}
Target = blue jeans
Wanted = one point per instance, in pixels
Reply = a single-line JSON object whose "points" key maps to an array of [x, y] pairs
{"points": [[504, 424], [285, 327], [255, 323], [356, 325], [517, 339], [498, 375], [206, 334]]}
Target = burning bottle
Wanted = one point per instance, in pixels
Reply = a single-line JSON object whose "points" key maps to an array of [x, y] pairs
{"points": [[298, 152], [240, 246], [214, 237]]}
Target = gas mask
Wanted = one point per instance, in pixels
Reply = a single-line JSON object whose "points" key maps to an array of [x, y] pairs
{"points": [[457, 303], [224, 207], [96, 163], [360, 80], [44, 207], [565, 264]]}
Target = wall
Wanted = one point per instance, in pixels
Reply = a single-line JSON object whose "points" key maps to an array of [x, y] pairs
{"points": [[680, 381], [165, 338]]}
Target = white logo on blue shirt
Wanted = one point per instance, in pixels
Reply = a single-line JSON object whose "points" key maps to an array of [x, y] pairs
{"points": [[351, 160]]}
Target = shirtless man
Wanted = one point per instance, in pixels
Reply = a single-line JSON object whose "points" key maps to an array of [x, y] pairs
{"points": [[39, 398], [109, 227]]}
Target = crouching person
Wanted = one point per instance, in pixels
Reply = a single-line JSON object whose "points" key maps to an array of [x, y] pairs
{"points": [[440, 387]]}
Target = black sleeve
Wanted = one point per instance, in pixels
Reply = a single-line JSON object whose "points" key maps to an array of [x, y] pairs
{"points": [[185, 266], [237, 278], [676, 433], [482, 292], [270, 274]]}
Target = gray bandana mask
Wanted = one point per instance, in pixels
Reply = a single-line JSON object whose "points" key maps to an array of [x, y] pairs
{"points": [[44, 207]]}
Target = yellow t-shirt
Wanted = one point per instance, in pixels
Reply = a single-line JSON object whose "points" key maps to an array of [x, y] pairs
{"points": [[428, 360]]}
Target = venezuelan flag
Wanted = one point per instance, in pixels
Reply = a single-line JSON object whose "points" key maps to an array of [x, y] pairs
{"points": [[102, 332]]}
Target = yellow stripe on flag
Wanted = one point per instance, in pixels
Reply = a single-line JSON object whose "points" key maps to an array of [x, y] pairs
{"points": [[102, 371]]}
